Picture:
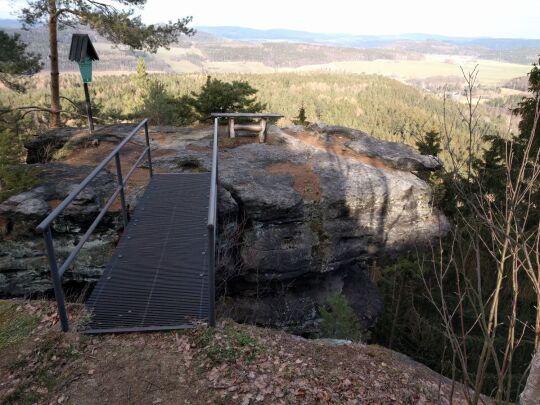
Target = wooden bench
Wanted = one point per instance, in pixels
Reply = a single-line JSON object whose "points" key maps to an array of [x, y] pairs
{"points": [[259, 126]]}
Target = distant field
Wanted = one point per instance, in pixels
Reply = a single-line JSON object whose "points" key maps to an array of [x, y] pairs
{"points": [[490, 72], [235, 67]]}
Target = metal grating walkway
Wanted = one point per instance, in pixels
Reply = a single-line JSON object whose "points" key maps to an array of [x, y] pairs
{"points": [[158, 277]]}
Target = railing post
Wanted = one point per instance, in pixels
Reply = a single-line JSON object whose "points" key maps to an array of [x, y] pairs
{"points": [[57, 280], [217, 156], [212, 226], [121, 185], [211, 276], [45, 225], [148, 146]]}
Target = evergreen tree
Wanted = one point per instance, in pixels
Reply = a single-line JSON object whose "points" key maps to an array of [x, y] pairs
{"points": [[430, 144], [161, 108], [118, 25], [14, 176], [524, 146], [338, 320], [141, 79], [217, 96], [15, 61], [301, 118]]}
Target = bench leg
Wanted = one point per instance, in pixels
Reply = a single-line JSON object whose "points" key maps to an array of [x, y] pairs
{"points": [[262, 134], [232, 134]]}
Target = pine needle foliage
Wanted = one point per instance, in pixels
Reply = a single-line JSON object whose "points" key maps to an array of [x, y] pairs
{"points": [[339, 320], [217, 96]]}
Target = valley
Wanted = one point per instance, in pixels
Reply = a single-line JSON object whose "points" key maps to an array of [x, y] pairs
{"points": [[394, 203]]}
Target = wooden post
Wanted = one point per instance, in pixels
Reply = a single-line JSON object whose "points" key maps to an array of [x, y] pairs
{"points": [[54, 121], [231, 128], [262, 134], [88, 108]]}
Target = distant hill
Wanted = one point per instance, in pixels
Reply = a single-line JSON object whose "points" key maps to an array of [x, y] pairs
{"points": [[206, 48], [238, 49], [363, 41], [5, 23]]}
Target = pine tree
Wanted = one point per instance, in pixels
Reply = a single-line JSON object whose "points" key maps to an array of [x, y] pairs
{"points": [[118, 25], [525, 145], [301, 118], [14, 176], [217, 96], [430, 144], [339, 320], [141, 79], [16, 61]]}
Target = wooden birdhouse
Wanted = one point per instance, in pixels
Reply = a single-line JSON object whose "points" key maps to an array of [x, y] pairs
{"points": [[83, 52]]}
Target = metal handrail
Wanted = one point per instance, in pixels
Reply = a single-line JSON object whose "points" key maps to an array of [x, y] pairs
{"points": [[212, 227], [45, 225]]}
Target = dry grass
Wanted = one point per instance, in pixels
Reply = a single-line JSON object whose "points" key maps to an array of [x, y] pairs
{"points": [[15, 323], [492, 73]]}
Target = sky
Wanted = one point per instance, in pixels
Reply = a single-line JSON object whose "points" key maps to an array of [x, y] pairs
{"points": [[493, 18]]}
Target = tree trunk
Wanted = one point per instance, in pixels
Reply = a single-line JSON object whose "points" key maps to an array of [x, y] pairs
{"points": [[531, 393], [55, 75]]}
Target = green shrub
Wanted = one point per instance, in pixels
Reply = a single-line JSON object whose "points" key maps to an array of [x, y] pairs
{"points": [[217, 96], [230, 344], [339, 320], [301, 119], [16, 179], [161, 108], [429, 144]]}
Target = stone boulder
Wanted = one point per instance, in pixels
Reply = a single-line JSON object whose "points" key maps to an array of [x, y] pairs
{"points": [[24, 268], [311, 219], [394, 154]]}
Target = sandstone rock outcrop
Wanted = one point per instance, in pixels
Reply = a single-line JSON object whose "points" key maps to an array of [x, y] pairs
{"points": [[300, 218], [312, 213], [23, 265], [394, 154]]}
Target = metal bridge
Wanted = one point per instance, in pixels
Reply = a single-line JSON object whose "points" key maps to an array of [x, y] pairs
{"points": [[161, 276]]}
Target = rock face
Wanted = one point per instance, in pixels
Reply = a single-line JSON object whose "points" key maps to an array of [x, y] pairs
{"points": [[23, 265], [396, 155], [311, 214], [300, 218]]}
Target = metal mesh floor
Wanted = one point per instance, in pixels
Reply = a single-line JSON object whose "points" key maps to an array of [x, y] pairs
{"points": [[158, 276]]}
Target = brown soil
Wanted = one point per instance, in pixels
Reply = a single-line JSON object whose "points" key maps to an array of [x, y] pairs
{"points": [[233, 364], [306, 181], [93, 155], [337, 147], [53, 204], [231, 143], [160, 137]]}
